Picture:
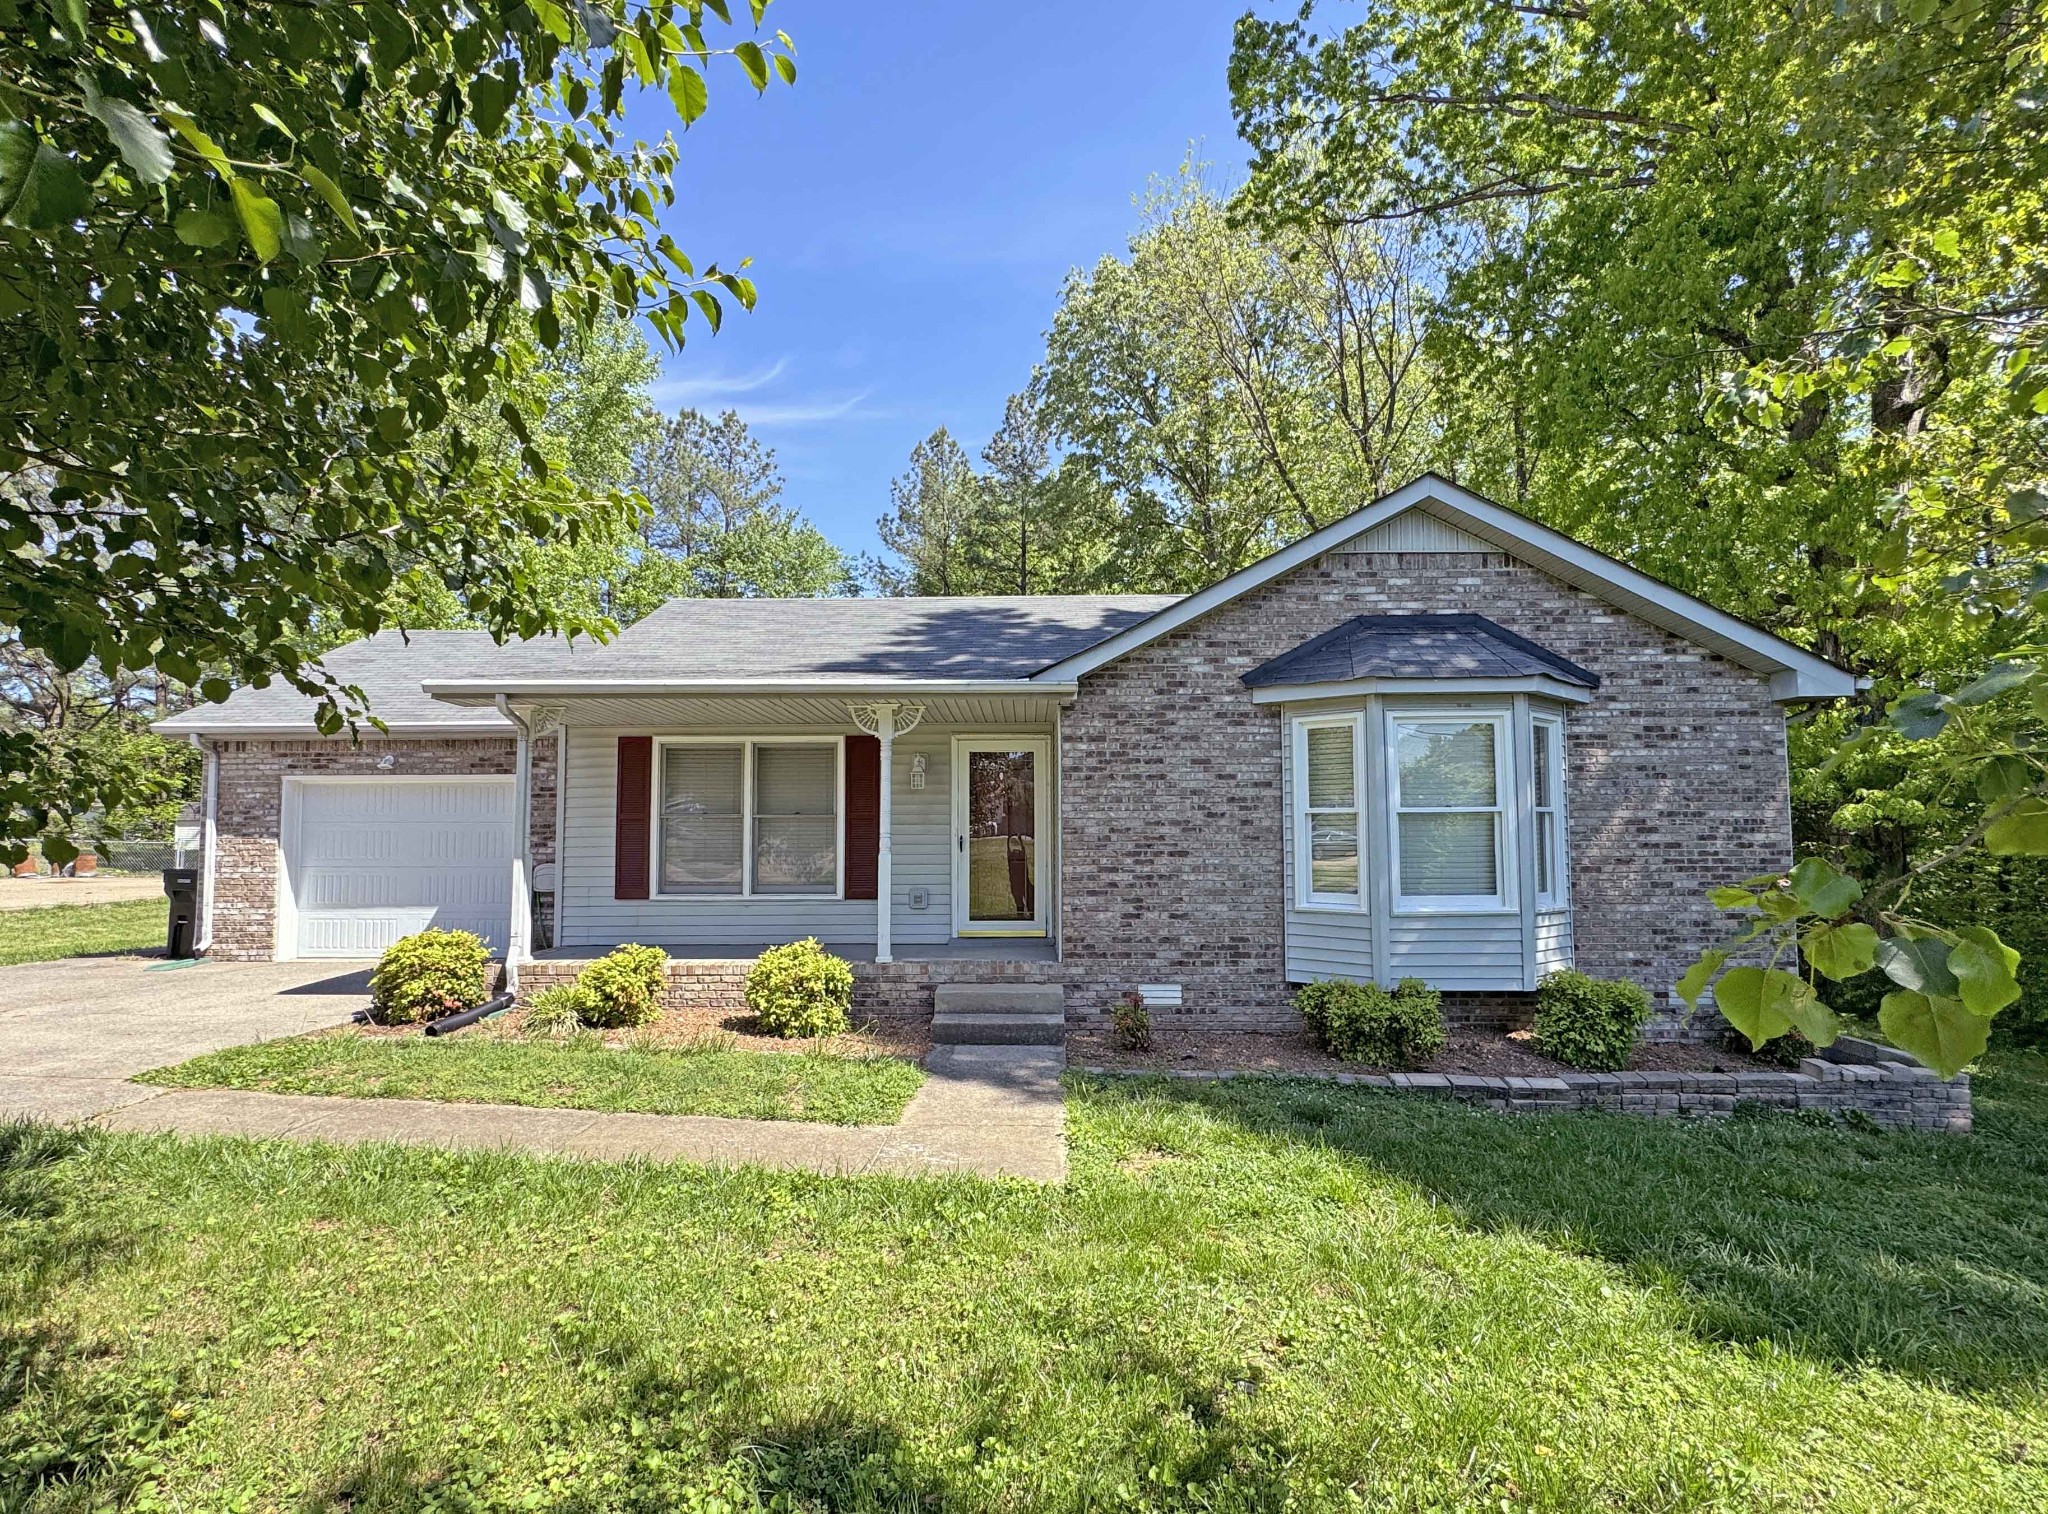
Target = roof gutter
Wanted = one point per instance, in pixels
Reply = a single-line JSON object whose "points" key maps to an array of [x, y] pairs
{"points": [[485, 691], [305, 730]]}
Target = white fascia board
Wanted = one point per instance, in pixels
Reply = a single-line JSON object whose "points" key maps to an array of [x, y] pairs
{"points": [[1598, 574], [307, 731], [485, 691], [1353, 688]]}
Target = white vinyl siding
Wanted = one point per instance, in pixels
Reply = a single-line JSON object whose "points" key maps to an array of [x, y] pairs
{"points": [[1553, 941]]}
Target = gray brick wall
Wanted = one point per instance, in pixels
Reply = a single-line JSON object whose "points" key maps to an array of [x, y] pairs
{"points": [[251, 793], [1170, 785]]}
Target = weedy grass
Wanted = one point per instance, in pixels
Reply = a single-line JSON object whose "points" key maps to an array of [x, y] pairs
{"points": [[1249, 1295], [577, 1072], [52, 932]]}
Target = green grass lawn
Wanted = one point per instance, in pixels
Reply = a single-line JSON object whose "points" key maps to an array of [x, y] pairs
{"points": [[1249, 1296], [477, 1067], [53, 931]]}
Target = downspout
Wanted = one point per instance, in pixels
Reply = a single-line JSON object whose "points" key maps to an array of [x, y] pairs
{"points": [[520, 927], [885, 731], [209, 757], [561, 819]]}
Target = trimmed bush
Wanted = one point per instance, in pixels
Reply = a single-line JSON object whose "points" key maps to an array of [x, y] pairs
{"points": [[1131, 1021], [430, 974], [1589, 1022], [800, 990], [1362, 1022], [623, 988]]}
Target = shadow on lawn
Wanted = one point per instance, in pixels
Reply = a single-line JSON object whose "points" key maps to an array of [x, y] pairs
{"points": [[66, 1423], [1922, 1254]]}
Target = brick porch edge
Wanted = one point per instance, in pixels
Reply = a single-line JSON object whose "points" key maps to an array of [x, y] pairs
{"points": [[1850, 1076]]}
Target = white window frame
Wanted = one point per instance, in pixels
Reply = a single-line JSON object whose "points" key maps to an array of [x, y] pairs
{"points": [[1503, 810], [747, 744], [1549, 729], [1306, 896]]}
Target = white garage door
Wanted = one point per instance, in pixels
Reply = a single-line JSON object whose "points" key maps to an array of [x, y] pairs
{"points": [[369, 860]]}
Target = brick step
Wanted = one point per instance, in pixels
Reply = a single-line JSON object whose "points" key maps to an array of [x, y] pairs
{"points": [[998, 1028]]}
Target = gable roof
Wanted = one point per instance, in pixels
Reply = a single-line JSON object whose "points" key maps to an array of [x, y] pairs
{"points": [[389, 668], [1416, 647], [1795, 673], [700, 645]]}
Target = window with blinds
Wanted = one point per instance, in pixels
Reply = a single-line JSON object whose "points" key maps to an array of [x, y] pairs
{"points": [[1448, 794], [1329, 803], [749, 818]]}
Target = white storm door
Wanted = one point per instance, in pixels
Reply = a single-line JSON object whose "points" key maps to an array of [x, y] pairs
{"points": [[1002, 846], [368, 860]]}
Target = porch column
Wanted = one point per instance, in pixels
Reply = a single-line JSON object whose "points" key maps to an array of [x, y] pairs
{"points": [[885, 722], [519, 928]]}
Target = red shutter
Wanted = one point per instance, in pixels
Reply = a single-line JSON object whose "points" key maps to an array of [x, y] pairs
{"points": [[632, 839], [863, 814]]}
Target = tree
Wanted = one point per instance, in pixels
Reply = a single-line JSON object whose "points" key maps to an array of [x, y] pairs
{"points": [[1234, 390], [1761, 296], [254, 258], [935, 506]]}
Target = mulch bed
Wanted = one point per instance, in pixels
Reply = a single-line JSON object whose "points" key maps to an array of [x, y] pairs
{"points": [[1484, 1053]]}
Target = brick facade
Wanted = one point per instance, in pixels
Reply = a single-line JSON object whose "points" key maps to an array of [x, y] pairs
{"points": [[1171, 821], [251, 797]]}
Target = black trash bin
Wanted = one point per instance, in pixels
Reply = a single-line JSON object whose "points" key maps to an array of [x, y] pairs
{"points": [[181, 887]]}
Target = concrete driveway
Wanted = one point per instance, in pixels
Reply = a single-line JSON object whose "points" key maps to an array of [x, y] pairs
{"points": [[72, 1033]]}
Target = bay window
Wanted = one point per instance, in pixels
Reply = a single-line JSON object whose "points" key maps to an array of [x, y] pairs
{"points": [[748, 817], [1411, 808]]}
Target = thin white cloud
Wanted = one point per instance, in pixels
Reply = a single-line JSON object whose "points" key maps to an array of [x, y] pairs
{"points": [[803, 412], [714, 388]]}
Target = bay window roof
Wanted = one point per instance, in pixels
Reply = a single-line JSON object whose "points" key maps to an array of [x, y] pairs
{"points": [[1412, 650]]}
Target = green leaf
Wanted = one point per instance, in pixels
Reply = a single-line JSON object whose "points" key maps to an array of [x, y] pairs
{"points": [[686, 89], [271, 118], [1919, 717], [1693, 981], [1823, 889], [330, 191], [1732, 898], [754, 61], [142, 146], [1937, 1030], [214, 690], [203, 228], [1840, 951], [2001, 678], [2004, 778], [1756, 1001], [39, 187], [262, 221], [199, 142], [2026, 504], [1983, 966], [1919, 963], [2021, 832], [786, 66]]}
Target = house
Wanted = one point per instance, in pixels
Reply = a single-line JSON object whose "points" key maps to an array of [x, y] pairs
{"points": [[1433, 739]]}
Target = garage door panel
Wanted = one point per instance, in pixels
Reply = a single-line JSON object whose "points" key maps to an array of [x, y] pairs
{"points": [[375, 860]]}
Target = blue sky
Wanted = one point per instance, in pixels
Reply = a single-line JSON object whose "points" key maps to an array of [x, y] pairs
{"points": [[911, 206]]}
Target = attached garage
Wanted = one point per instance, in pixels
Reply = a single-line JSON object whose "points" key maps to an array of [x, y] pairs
{"points": [[369, 859]]}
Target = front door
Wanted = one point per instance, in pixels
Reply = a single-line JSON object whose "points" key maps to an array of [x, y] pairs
{"points": [[1000, 845]]}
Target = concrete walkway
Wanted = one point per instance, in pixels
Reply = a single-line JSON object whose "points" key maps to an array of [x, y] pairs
{"points": [[990, 1111]]}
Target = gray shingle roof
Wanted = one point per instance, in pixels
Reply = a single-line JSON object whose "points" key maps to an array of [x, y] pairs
{"points": [[389, 668], [988, 636], [1417, 646]]}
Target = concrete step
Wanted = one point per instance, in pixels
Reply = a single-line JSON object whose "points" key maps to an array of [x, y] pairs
{"points": [[1000, 998], [998, 1028]]}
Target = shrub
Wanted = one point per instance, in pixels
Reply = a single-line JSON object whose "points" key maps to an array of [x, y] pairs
{"points": [[623, 988], [1589, 1022], [429, 974], [1131, 1021], [800, 990], [556, 1010], [1362, 1022], [1786, 1051]]}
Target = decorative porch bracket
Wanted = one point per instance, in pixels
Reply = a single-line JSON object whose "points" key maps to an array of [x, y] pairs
{"points": [[885, 722]]}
